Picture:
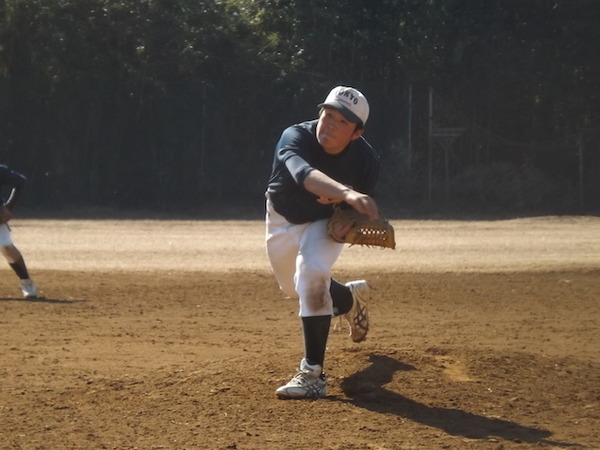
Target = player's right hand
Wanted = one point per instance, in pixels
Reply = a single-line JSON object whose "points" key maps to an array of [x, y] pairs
{"points": [[362, 203]]}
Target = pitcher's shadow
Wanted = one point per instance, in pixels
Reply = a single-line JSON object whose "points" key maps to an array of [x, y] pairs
{"points": [[365, 389]]}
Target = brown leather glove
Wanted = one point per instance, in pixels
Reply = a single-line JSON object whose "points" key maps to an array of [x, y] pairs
{"points": [[361, 229]]}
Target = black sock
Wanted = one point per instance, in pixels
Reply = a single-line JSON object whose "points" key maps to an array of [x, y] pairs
{"points": [[20, 270], [341, 296], [316, 332]]}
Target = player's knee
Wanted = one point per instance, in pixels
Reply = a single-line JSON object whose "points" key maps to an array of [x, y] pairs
{"points": [[10, 253], [5, 250], [313, 288]]}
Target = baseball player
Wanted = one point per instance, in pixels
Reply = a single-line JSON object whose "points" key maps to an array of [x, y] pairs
{"points": [[13, 182], [317, 164]]}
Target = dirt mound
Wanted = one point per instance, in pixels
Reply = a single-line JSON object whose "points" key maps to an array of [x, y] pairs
{"points": [[153, 336]]}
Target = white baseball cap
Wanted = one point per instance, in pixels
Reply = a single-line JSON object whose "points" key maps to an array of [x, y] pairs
{"points": [[350, 102]]}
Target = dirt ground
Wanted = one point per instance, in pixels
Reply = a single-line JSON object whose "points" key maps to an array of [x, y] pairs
{"points": [[173, 335]]}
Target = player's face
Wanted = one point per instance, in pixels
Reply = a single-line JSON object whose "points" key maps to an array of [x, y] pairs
{"points": [[334, 131]]}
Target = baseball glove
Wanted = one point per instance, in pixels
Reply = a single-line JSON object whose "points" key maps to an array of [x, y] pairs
{"points": [[362, 230]]}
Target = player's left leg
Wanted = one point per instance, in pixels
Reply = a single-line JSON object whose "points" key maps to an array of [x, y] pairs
{"points": [[16, 262], [341, 295], [358, 316]]}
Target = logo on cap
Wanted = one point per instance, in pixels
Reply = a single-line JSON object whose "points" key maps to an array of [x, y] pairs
{"points": [[350, 102]]}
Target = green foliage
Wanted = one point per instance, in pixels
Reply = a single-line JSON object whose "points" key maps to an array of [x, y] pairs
{"points": [[177, 104], [502, 187]]}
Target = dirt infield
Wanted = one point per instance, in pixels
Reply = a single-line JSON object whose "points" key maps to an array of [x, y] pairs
{"points": [[173, 335]]}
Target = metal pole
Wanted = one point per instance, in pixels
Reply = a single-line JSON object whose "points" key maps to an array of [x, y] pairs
{"points": [[446, 167], [430, 150], [409, 130], [581, 201]]}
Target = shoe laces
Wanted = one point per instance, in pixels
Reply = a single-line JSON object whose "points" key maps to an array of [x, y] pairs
{"points": [[304, 377], [359, 318]]}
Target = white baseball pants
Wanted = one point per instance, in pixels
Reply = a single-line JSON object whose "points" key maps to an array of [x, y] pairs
{"points": [[301, 257], [5, 237]]}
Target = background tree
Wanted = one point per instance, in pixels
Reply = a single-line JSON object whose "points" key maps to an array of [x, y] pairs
{"points": [[175, 106]]}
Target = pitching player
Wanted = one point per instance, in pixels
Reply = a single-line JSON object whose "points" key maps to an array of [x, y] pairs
{"points": [[13, 182], [317, 164]]}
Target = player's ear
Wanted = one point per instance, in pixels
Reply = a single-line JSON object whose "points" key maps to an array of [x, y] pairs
{"points": [[358, 133]]}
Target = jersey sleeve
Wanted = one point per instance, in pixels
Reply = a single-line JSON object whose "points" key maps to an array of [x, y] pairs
{"points": [[291, 153]]}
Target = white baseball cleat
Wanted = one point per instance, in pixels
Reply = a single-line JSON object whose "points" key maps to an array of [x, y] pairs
{"points": [[358, 316], [28, 288], [309, 382]]}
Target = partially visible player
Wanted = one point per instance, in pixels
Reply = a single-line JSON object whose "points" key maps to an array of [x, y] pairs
{"points": [[317, 164], [12, 184]]}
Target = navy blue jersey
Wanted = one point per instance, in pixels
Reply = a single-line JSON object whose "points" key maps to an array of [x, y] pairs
{"points": [[11, 185], [298, 153]]}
